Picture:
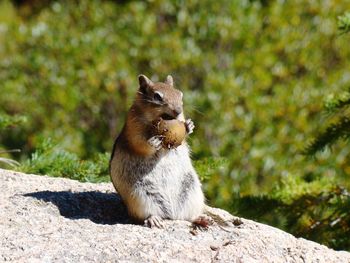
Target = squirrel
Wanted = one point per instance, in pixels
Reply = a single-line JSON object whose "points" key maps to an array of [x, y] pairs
{"points": [[156, 183]]}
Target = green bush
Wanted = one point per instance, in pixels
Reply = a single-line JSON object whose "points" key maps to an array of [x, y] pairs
{"points": [[50, 159], [254, 75]]}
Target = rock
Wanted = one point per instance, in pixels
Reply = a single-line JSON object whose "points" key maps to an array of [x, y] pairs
{"points": [[46, 219]]}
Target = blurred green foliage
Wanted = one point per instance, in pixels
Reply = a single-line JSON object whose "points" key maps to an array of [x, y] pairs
{"points": [[254, 75], [344, 23], [7, 121], [323, 215], [337, 107]]}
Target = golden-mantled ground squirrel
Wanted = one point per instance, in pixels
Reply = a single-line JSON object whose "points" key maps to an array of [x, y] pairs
{"points": [[154, 182]]}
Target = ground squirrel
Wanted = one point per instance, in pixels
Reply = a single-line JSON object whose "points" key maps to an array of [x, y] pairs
{"points": [[155, 183]]}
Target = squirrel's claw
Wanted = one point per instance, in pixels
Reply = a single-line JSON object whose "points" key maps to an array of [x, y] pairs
{"points": [[156, 142], [189, 126], [154, 221]]}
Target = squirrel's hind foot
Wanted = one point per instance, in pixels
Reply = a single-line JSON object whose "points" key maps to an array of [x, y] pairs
{"points": [[203, 221], [154, 221]]}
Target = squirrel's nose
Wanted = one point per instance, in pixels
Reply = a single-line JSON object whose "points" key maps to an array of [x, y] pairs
{"points": [[177, 111]]}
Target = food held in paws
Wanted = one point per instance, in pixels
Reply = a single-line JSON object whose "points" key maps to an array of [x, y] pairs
{"points": [[173, 132]]}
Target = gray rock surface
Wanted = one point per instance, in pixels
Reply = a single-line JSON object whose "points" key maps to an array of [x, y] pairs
{"points": [[45, 219]]}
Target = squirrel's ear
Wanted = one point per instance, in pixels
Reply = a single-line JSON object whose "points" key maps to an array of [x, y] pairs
{"points": [[169, 80], [145, 83]]}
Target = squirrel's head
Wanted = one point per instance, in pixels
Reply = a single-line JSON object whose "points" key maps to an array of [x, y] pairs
{"points": [[160, 99]]}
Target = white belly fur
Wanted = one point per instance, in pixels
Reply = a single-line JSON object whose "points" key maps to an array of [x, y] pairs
{"points": [[140, 187]]}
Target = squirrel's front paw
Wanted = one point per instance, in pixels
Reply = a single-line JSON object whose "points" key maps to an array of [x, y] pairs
{"points": [[189, 126], [156, 142]]}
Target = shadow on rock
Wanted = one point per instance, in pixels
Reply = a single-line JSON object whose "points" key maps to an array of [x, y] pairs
{"points": [[100, 208]]}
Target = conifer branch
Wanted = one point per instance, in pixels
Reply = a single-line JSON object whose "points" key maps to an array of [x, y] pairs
{"points": [[335, 131]]}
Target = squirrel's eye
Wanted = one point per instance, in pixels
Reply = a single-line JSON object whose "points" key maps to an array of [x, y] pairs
{"points": [[158, 96]]}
